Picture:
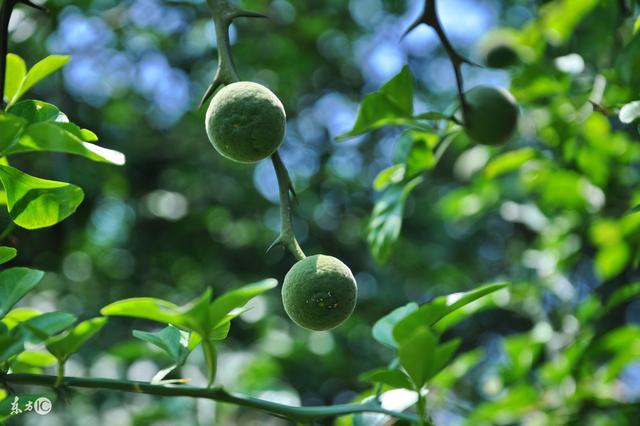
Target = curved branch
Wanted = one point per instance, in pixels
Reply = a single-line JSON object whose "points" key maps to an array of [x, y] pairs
{"points": [[287, 237], [216, 394], [430, 17], [5, 16]]}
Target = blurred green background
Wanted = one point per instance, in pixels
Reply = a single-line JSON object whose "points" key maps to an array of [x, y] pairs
{"points": [[178, 218]]}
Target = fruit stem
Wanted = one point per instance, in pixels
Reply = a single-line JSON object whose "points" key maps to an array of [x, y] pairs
{"points": [[287, 237], [430, 17], [226, 73]]}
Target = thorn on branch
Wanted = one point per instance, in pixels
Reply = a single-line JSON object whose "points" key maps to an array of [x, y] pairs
{"points": [[239, 13], [210, 91], [601, 109], [276, 242]]}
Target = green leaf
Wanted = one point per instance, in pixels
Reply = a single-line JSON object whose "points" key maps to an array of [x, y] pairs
{"points": [[386, 219], [34, 330], [443, 355], [389, 176], [50, 130], [221, 331], [430, 313], [623, 345], [237, 298], [612, 259], [522, 352], [195, 314], [37, 203], [392, 104], [628, 63], [14, 284], [392, 378], [623, 294], [11, 128], [417, 355], [42, 69], [559, 18], [629, 112], [171, 340], [146, 308], [16, 72], [509, 162], [57, 137], [37, 111], [64, 345], [421, 156], [36, 359], [41, 327], [21, 82], [382, 330], [10, 345], [6, 254]]}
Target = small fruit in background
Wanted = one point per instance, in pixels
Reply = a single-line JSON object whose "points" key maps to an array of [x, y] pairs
{"points": [[491, 117], [501, 56]]}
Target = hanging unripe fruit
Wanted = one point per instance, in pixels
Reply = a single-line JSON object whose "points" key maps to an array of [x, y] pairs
{"points": [[245, 122], [491, 117], [319, 292], [501, 56]]}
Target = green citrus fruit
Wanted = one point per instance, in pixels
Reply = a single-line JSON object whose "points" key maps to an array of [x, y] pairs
{"points": [[245, 122], [319, 292], [501, 56], [492, 115]]}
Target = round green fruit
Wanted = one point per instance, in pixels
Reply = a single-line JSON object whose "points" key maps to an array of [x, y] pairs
{"points": [[319, 292], [501, 56], [245, 122], [491, 117]]}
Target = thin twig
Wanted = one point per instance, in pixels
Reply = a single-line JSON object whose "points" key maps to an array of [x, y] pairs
{"points": [[218, 394]]}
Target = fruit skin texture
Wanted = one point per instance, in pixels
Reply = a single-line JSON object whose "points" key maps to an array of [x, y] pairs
{"points": [[319, 292], [245, 122], [492, 115], [501, 56]]}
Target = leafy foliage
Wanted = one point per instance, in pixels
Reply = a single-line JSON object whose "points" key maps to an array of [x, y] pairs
{"points": [[555, 211]]}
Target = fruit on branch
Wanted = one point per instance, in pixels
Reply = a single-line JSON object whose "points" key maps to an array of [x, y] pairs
{"points": [[319, 292], [245, 122], [500, 49], [501, 55], [491, 116]]}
